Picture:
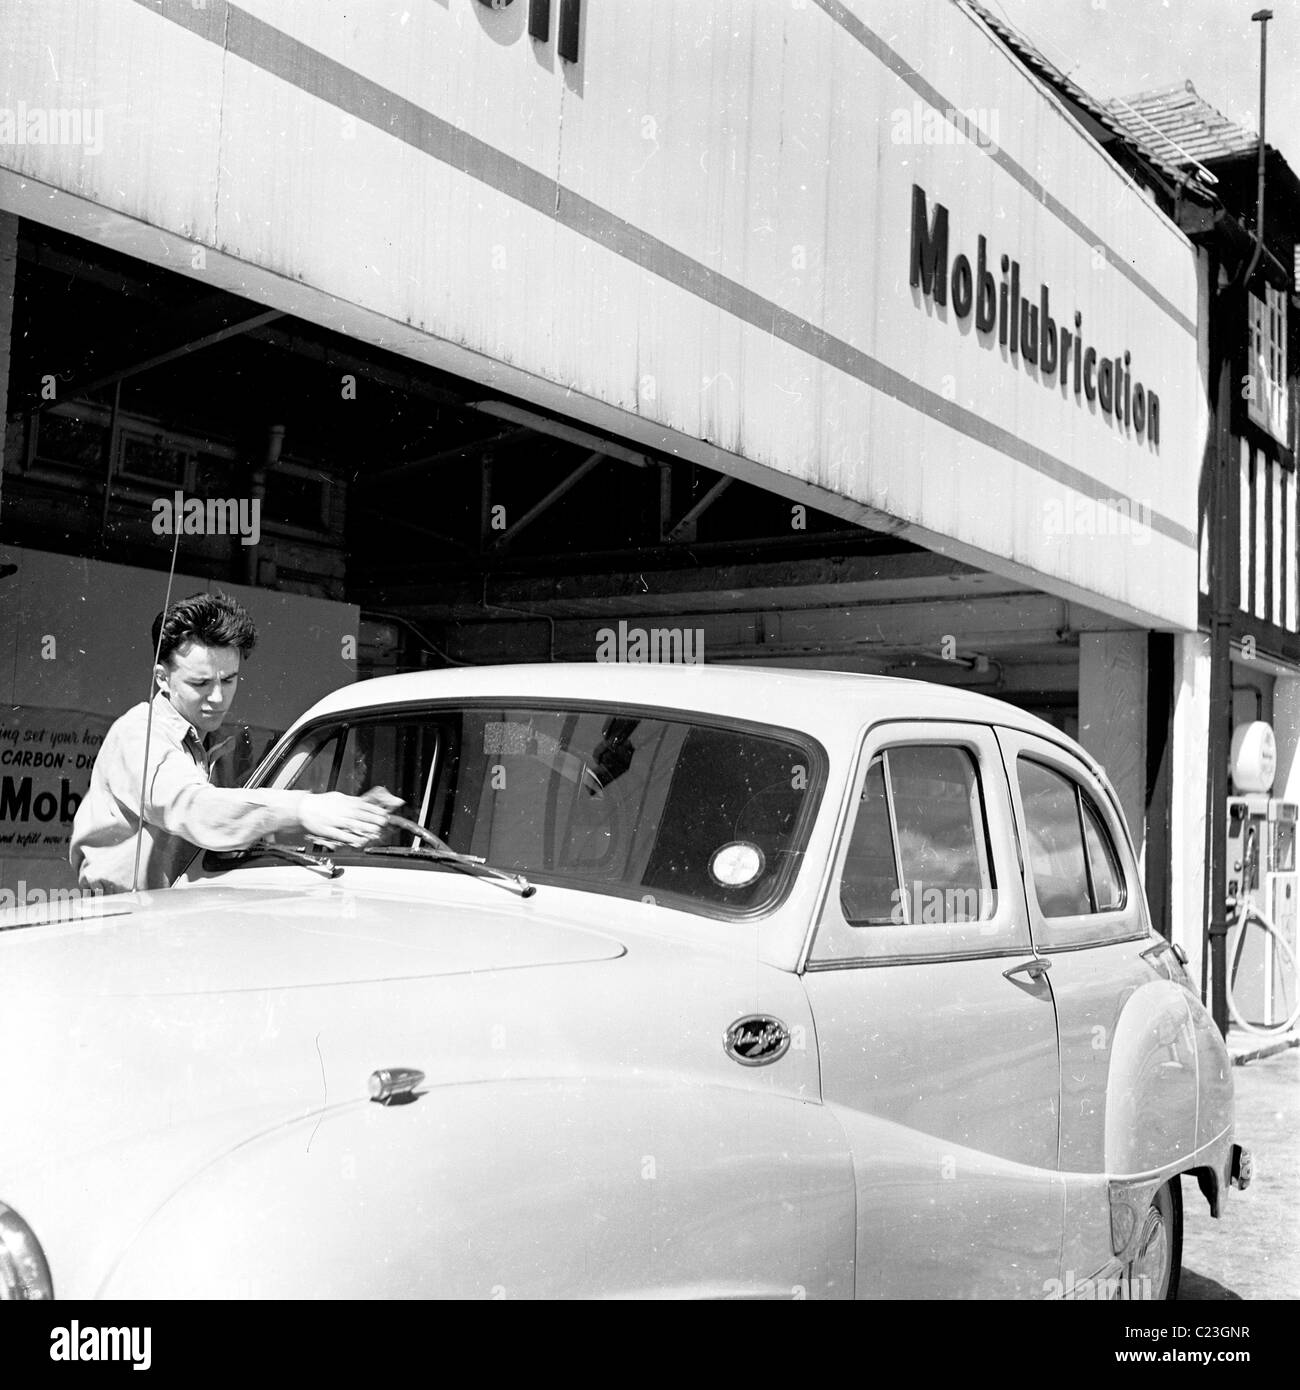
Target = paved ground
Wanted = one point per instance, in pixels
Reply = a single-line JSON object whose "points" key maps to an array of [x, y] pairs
{"points": [[1253, 1252]]}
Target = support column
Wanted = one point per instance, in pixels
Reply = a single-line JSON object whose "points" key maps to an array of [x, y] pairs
{"points": [[1161, 693], [1286, 729], [8, 271], [1191, 776], [1113, 717]]}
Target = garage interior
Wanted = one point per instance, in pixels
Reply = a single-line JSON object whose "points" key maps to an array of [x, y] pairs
{"points": [[468, 527]]}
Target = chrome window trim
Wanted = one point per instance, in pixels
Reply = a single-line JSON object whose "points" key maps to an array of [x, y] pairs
{"points": [[887, 962], [1087, 802], [891, 813]]}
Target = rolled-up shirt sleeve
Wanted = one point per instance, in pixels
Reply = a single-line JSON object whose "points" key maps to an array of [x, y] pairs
{"points": [[183, 802]]}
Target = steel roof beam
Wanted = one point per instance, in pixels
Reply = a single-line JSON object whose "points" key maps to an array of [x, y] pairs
{"points": [[549, 500]]}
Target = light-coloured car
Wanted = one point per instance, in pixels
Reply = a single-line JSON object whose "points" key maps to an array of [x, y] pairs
{"points": [[672, 981]]}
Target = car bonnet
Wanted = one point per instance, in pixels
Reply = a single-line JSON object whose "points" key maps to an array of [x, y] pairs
{"points": [[214, 940]]}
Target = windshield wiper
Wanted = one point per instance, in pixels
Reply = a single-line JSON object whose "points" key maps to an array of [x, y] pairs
{"points": [[441, 852], [218, 858]]}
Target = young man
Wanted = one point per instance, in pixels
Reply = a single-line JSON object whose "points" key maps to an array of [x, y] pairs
{"points": [[204, 639]]}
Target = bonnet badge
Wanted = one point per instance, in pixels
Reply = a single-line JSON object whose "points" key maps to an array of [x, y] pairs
{"points": [[756, 1039]]}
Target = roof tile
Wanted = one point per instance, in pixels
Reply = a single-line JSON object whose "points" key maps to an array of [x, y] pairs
{"points": [[1151, 145], [1182, 124]]}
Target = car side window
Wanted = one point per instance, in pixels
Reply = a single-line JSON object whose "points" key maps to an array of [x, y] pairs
{"points": [[1103, 862], [869, 885], [919, 848], [355, 757], [926, 852], [1074, 865]]}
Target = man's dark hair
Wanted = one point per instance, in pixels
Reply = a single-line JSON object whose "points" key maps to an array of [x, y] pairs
{"points": [[213, 620]]}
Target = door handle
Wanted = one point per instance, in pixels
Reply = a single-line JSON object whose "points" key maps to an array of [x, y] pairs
{"points": [[1035, 969]]}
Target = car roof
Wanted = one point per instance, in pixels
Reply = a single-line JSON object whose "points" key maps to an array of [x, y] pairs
{"points": [[815, 701]]}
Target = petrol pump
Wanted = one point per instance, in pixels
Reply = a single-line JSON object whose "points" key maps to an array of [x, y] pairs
{"points": [[1261, 865]]}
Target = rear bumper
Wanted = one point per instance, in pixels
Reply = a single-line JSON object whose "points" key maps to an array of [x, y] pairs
{"points": [[1242, 1168]]}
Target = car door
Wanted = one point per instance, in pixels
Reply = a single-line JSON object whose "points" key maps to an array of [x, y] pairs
{"points": [[935, 1026], [1128, 1049]]}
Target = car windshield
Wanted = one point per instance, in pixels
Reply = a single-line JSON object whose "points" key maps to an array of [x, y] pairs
{"points": [[696, 813]]}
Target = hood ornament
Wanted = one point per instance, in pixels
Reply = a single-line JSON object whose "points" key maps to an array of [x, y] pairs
{"points": [[394, 1085]]}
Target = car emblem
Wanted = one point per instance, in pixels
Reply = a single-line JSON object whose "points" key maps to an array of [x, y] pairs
{"points": [[756, 1039]]}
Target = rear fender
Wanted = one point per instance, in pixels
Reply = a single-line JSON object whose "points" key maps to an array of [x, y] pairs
{"points": [[1168, 1111], [1216, 1115], [1153, 1083]]}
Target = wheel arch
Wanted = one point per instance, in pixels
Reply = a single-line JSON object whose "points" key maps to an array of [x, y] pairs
{"points": [[1168, 1092]]}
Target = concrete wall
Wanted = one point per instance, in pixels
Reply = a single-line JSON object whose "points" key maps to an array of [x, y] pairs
{"points": [[1113, 717], [1286, 728], [75, 653], [8, 269]]}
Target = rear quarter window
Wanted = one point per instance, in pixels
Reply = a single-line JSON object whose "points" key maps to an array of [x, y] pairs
{"points": [[1081, 881]]}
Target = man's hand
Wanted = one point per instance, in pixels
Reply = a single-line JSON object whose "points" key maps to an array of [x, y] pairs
{"points": [[346, 820]]}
